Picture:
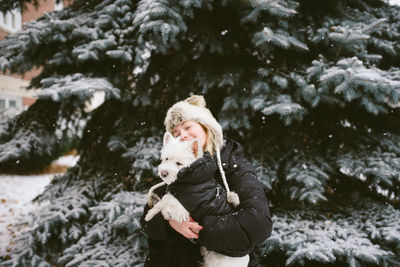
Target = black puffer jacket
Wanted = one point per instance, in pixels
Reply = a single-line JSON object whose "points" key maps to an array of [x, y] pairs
{"points": [[235, 233], [198, 191]]}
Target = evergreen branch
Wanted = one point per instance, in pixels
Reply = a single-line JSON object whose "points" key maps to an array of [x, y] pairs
{"points": [[307, 178], [329, 239], [42, 132], [273, 7], [60, 88], [374, 25]]}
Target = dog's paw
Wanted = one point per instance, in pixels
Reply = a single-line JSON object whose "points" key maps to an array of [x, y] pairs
{"points": [[148, 217], [173, 209], [182, 215], [152, 199], [151, 213]]}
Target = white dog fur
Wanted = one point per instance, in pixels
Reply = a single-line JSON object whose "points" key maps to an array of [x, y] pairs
{"points": [[176, 155]]}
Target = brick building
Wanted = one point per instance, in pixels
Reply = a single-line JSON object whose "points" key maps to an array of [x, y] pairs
{"points": [[13, 97]]}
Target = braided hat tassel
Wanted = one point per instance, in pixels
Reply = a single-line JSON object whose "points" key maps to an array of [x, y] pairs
{"points": [[232, 197]]}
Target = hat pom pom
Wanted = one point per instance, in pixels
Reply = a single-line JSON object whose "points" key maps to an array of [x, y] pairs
{"points": [[233, 198], [196, 100]]}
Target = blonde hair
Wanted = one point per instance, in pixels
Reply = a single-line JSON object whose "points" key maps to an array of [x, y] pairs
{"points": [[209, 146]]}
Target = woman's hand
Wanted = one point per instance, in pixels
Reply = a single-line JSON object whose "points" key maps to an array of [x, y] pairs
{"points": [[188, 229]]}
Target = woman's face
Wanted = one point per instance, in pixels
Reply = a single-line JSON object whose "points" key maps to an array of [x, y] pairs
{"points": [[189, 130]]}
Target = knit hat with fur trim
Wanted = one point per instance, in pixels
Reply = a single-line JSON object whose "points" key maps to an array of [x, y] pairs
{"points": [[194, 109]]}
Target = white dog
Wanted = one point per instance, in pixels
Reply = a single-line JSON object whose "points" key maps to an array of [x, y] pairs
{"points": [[176, 155]]}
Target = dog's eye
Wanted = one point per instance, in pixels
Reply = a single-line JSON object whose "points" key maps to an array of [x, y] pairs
{"points": [[179, 164]]}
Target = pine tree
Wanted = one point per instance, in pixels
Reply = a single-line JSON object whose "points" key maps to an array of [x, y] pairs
{"points": [[310, 88]]}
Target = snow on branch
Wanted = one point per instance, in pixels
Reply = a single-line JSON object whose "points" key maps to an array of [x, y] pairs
{"points": [[46, 33], [351, 79], [345, 35], [275, 7], [158, 22], [329, 240], [306, 177], [117, 223], [60, 88], [145, 155], [267, 37], [378, 168], [285, 108]]}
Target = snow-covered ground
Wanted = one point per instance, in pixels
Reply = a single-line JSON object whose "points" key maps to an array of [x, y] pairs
{"points": [[16, 193], [68, 161], [394, 2]]}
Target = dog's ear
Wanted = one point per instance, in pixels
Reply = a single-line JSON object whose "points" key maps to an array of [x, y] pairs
{"points": [[167, 137], [195, 143]]}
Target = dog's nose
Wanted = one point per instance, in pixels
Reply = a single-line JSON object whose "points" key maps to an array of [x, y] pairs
{"points": [[164, 174]]}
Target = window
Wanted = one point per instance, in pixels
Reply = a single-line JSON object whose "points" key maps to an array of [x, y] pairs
{"points": [[12, 104], [11, 21], [59, 5]]}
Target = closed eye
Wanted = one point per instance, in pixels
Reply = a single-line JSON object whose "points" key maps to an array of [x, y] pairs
{"points": [[179, 164]]}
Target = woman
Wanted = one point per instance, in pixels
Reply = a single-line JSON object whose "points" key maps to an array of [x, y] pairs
{"points": [[173, 244]]}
